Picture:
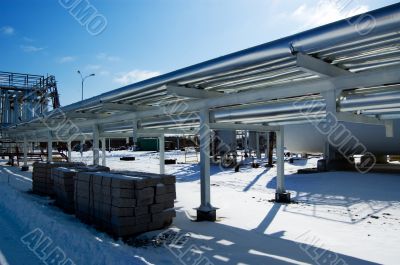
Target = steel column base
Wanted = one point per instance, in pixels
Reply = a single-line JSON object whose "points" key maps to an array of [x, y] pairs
{"points": [[210, 216], [283, 197], [24, 168]]}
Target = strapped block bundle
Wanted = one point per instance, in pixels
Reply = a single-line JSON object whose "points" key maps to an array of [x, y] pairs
{"points": [[125, 203], [42, 181], [64, 184]]}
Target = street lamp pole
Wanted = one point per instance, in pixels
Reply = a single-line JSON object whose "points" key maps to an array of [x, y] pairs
{"points": [[83, 80]]}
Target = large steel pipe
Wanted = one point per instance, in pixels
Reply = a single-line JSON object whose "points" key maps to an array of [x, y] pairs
{"points": [[311, 41]]}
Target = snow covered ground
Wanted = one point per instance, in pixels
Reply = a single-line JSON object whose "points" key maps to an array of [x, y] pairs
{"points": [[340, 218]]}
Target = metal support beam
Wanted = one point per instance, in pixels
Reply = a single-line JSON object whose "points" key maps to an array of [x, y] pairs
{"points": [[103, 151], [135, 131], [205, 212], [258, 153], [117, 106], [69, 147], [240, 126], [95, 146], [318, 67], [188, 92], [81, 148], [25, 147], [281, 195], [246, 141], [83, 115], [389, 130], [161, 146], [331, 108], [266, 144], [49, 146]]}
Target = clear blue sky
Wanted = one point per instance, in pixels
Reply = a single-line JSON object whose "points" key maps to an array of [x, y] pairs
{"points": [[147, 37]]}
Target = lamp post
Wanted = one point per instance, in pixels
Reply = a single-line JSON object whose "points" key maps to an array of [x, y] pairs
{"points": [[83, 79]]}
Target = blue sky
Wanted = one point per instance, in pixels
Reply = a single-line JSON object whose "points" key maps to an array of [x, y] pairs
{"points": [[143, 38]]}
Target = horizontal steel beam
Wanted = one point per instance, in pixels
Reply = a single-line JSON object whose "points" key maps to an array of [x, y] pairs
{"points": [[237, 126], [191, 92], [318, 67]]}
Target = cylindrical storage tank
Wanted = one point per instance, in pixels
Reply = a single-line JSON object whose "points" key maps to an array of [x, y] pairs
{"points": [[307, 138]]}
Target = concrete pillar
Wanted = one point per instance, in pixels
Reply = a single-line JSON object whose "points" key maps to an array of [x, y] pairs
{"points": [[161, 146], [50, 147], [205, 212], [69, 151], [95, 146], [25, 147], [103, 151], [281, 195]]}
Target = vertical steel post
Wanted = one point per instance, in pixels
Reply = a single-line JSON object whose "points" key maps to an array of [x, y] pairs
{"points": [[135, 132], [266, 143], [258, 153], [205, 212], [161, 146], [69, 151], [95, 146], [25, 151], [281, 195], [25, 147], [103, 151], [81, 148], [50, 146]]}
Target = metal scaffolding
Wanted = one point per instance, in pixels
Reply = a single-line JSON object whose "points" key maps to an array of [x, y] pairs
{"points": [[25, 96]]}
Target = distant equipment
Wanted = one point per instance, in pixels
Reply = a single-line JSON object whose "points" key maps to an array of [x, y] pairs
{"points": [[25, 96]]}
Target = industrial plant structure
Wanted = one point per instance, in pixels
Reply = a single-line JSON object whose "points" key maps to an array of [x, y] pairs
{"points": [[332, 89]]}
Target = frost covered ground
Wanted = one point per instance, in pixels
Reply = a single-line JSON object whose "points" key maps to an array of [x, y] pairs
{"points": [[340, 218]]}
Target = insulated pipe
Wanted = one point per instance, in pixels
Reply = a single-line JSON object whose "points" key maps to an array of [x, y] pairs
{"points": [[378, 97], [265, 109], [370, 105], [247, 72], [313, 40]]}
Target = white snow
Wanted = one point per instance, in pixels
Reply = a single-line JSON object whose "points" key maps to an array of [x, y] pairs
{"points": [[341, 218]]}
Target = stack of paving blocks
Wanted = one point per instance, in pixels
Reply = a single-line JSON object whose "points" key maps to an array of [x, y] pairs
{"points": [[125, 203], [42, 181], [63, 178]]}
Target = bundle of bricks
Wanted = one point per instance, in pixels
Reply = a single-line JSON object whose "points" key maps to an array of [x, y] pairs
{"points": [[64, 184], [42, 181], [125, 203]]}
